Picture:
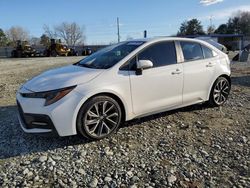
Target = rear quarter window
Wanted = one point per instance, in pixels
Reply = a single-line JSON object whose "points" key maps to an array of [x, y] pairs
{"points": [[208, 53]]}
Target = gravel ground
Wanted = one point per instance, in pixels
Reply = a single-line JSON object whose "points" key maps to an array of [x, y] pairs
{"points": [[196, 146]]}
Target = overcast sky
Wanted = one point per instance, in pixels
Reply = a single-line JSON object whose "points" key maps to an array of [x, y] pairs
{"points": [[158, 17]]}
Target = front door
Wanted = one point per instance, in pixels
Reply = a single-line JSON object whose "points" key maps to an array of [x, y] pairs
{"points": [[159, 87]]}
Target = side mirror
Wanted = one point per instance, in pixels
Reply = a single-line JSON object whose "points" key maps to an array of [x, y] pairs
{"points": [[143, 64]]}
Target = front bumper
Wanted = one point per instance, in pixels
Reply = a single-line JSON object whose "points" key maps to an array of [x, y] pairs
{"points": [[59, 117], [35, 123]]}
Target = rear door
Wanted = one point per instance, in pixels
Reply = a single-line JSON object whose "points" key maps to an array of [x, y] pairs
{"points": [[198, 67]]}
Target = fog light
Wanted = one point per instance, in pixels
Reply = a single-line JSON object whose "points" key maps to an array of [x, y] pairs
{"points": [[39, 123]]}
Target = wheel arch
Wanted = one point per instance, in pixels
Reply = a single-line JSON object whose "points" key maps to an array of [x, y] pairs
{"points": [[104, 93], [113, 96], [227, 77]]}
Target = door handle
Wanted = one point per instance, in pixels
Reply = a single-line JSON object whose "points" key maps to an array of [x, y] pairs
{"points": [[210, 64], [177, 71]]}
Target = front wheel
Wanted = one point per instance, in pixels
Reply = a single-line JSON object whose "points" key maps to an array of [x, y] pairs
{"points": [[99, 117], [220, 91]]}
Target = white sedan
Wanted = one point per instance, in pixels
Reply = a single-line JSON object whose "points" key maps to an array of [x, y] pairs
{"points": [[122, 82]]}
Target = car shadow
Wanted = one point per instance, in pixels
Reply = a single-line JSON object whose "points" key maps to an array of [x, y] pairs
{"points": [[14, 142], [241, 80], [192, 108]]}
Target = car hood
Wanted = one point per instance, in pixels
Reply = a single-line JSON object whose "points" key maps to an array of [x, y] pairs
{"points": [[61, 77]]}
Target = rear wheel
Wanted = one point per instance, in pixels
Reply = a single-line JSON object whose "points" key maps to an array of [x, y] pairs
{"points": [[99, 117], [220, 91]]}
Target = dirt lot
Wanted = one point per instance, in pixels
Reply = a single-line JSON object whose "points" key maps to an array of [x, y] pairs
{"points": [[197, 146]]}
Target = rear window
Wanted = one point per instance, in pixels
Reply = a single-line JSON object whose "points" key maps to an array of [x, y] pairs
{"points": [[191, 51]]}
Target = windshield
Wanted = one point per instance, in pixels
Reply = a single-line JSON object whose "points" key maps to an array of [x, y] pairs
{"points": [[109, 56]]}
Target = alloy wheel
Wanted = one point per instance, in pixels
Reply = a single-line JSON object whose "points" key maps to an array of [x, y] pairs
{"points": [[221, 91], [101, 119]]}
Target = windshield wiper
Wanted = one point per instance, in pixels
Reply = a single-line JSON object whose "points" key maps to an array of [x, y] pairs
{"points": [[85, 65]]}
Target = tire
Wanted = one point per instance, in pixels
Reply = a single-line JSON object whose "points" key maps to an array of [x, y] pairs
{"points": [[99, 117], [219, 92]]}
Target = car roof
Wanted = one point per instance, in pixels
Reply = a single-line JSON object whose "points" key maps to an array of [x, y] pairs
{"points": [[148, 41], [155, 39]]}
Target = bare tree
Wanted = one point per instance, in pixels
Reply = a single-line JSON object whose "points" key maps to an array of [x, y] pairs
{"points": [[210, 29], [17, 33], [44, 40], [3, 38], [49, 32], [71, 33], [35, 41]]}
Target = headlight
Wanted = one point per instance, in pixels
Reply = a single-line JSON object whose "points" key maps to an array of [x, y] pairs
{"points": [[50, 96]]}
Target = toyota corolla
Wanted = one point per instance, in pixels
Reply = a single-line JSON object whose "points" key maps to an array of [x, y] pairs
{"points": [[121, 82]]}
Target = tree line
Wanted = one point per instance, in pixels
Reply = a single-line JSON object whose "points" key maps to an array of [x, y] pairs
{"points": [[238, 24], [70, 33]]}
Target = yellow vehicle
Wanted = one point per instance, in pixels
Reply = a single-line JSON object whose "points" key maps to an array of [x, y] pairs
{"points": [[23, 49], [56, 48]]}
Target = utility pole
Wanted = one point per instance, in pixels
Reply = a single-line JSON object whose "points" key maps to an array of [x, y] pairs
{"points": [[211, 22], [145, 33], [118, 29]]}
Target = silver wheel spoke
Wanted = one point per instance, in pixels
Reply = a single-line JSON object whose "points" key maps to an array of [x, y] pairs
{"points": [[104, 106], [223, 98], [225, 88], [110, 120], [100, 128], [221, 85], [216, 91], [92, 114], [110, 108], [91, 122], [97, 109], [112, 115], [106, 127], [94, 128], [225, 92], [216, 95]]}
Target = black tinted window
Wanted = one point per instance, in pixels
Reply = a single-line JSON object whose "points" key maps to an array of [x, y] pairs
{"points": [[160, 54], [208, 53], [191, 51], [130, 65], [110, 55]]}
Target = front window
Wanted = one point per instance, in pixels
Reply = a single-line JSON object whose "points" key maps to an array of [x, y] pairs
{"points": [[161, 54], [109, 56]]}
